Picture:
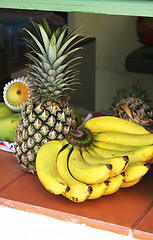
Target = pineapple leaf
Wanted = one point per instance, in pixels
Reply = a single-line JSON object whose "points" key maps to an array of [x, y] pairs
{"points": [[51, 89], [44, 38], [59, 31], [62, 49], [46, 67], [73, 65], [33, 59], [35, 75], [44, 75], [32, 45], [71, 33], [72, 60], [60, 76], [36, 26], [58, 62], [52, 72], [77, 42], [37, 42], [47, 28], [60, 69], [60, 39], [42, 57], [52, 49], [73, 50], [50, 79]]}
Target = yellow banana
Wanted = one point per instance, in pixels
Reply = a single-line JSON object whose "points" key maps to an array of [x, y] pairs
{"points": [[124, 138], [114, 184], [113, 146], [142, 154], [47, 169], [119, 163], [87, 173], [79, 191], [129, 184], [113, 124], [91, 151], [98, 190], [106, 153], [136, 171]]}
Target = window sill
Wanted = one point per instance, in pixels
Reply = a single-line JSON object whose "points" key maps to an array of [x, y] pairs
{"points": [[128, 212]]}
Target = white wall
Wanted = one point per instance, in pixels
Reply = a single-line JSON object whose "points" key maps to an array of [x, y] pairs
{"points": [[17, 225], [115, 38]]}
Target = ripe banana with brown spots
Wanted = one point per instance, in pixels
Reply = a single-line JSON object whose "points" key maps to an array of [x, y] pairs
{"points": [[114, 184], [141, 154], [78, 191], [119, 163], [135, 172], [87, 173]]}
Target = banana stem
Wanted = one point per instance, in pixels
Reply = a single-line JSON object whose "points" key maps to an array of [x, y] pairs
{"points": [[79, 137]]}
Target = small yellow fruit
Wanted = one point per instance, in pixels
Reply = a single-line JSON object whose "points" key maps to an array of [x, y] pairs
{"points": [[4, 110], [16, 93]]}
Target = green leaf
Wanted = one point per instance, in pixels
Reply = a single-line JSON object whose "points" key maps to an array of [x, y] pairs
{"points": [[47, 28], [58, 62], [33, 59], [59, 31], [42, 57], [52, 72], [71, 33], [44, 38], [63, 48], [52, 49], [36, 26], [47, 67], [60, 39], [37, 42]]}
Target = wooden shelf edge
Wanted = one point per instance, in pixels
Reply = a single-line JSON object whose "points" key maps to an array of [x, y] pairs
{"points": [[116, 7]]}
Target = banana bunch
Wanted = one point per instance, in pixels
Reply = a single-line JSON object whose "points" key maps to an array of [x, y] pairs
{"points": [[96, 160]]}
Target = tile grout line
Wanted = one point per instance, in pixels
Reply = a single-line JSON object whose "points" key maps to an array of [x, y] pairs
{"points": [[11, 182], [141, 216]]}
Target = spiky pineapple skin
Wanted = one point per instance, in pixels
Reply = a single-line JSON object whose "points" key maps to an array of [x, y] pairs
{"points": [[38, 124], [140, 111], [132, 104]]}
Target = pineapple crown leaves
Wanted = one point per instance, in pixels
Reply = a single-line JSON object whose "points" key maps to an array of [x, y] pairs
{"points": [[51, 70]]}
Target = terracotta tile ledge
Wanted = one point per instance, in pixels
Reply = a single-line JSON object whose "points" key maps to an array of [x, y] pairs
{"points": [[128, 212]]}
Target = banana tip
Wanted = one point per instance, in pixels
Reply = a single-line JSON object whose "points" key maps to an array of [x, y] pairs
{"points": [[147, 165], [126, 158], [67, 189], [109, 166], [90, 189]]}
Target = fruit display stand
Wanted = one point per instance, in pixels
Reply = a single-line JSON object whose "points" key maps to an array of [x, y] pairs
{"points": [[127, 214]]}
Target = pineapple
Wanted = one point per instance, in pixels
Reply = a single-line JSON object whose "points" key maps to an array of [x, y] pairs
{"points": [[47, 115], [132, 104]]}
